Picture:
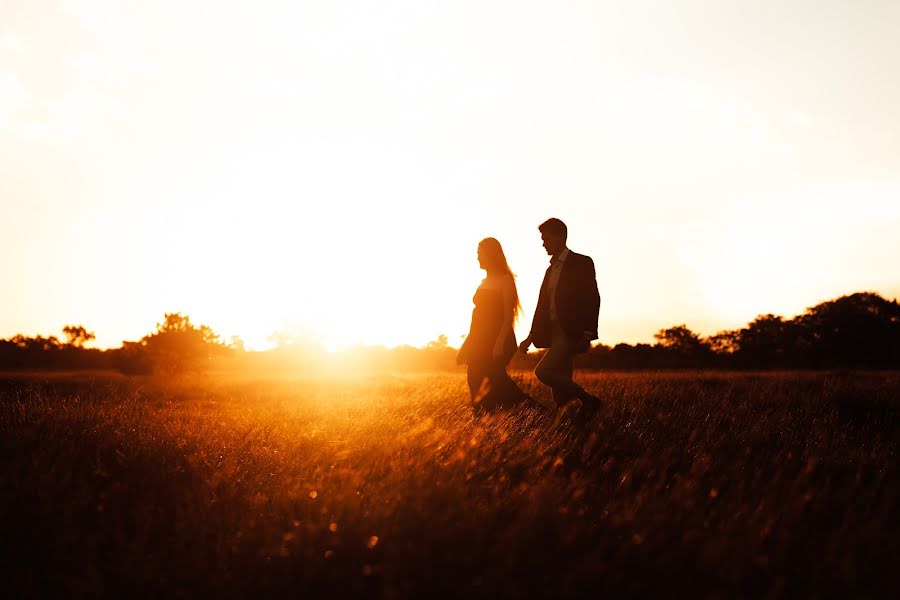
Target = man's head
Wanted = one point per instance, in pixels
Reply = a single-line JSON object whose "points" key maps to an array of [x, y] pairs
{"points": [[553, 233]]}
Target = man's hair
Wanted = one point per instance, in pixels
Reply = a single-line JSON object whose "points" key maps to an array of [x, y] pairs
{"points": [[554, 226]]}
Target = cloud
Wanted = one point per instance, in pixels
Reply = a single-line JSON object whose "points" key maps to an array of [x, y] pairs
{"points": [[689, 118], [13, 98], [10, 42], [104, 18]]}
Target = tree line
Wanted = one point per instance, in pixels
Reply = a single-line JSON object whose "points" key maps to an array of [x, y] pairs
{"points": [[177, 345], [857, 331]]}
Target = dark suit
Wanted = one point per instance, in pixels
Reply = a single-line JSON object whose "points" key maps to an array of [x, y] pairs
{"points": [[577, 302], [577, 308]]}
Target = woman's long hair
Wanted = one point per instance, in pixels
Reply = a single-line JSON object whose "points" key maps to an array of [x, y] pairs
{"points": [[495, 262]]}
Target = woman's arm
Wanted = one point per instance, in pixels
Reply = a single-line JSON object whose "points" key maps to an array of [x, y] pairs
{"points": [[508, 305]]}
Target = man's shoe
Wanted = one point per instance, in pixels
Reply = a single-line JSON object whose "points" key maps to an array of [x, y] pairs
{"points": [[590, 404]]}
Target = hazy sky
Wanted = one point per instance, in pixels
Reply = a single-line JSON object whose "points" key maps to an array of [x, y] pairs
{"points": [[329, 167]]}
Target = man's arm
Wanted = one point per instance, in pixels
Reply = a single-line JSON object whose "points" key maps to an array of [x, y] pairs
{"points": [[509, 306], [592, 301], [594, 298]]}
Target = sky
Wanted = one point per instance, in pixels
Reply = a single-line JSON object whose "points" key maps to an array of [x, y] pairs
{"points": [[326, 169]]}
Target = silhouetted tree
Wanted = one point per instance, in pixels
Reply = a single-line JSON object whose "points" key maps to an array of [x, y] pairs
{"points": [[37, 344], [439, 343], [723, 343], [177, 346], [638, 356], [681, 347], [856, 331], [21, 352], [133, 359], [77, 335], [768, 341], [859, 330], [39, 352], [680, 339]]}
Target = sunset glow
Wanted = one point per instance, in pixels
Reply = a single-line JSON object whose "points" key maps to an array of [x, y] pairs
{"points": [[327, 169]]}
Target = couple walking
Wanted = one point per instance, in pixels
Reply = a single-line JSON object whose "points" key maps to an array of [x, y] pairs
{"points": [[565, 322]]}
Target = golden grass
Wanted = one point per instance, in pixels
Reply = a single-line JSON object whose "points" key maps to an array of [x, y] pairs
{"points": [[388, 486]]}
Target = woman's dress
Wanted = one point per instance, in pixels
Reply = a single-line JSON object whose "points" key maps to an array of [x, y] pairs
{"points": [[489, 383]]}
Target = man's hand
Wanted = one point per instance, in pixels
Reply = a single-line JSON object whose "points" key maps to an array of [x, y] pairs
{"points": [[584, 344], [526, 343]]}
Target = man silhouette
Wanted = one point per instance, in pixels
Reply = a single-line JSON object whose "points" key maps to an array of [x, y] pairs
{"points": [[565, 320]]}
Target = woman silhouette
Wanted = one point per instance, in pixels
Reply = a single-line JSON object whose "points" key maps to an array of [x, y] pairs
{"points": [[491, 341]]}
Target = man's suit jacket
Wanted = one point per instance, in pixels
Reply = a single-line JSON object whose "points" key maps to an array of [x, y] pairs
{"points": [[577, 302]]}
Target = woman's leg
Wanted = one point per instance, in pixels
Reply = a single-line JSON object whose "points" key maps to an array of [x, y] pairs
{"points": [[480, 386], [504, 390]]}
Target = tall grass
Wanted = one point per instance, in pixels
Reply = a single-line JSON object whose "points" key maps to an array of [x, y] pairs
{"points": [[710, 484]]}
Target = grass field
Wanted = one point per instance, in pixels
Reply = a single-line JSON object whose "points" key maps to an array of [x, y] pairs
{"points": [[692, 484]]}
